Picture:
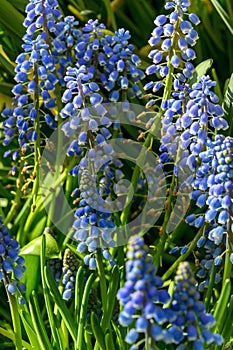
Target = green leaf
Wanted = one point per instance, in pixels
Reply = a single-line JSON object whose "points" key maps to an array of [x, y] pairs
{"points": [[35, 221], [120, 338], [5, 88], [34, 247], [38, 323], [111, 15], [25, 317], [11, 336], [20, 4], [31, 276], [11, 20], [79, 285], [201, 69], [6, 62], [83, 309], [220, 309], [66, 316], [224, 15], [109, 342], [98, 331], [111, 297], [38, 227], [48, 303], [228, 105], [227, 328]]}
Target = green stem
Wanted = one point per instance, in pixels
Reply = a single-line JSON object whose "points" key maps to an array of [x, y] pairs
{"points": [[110, 14], [184, 256], [164, 235], [46, 294], [83, 312], [210, 287], [14, 315], [147, 342], [37, 154], [15, 203], [103, 287], [229, 243], [148, 141], [59, 146]]}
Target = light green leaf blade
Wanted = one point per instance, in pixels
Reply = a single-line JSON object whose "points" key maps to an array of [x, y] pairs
{"points": [[34, 247], [201, 69]]}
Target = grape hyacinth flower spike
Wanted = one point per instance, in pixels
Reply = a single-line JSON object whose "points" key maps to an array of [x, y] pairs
{"points": [[69, 271], [48, 45], [173, 38], [213, 186], [94, 229], [35, 76], [141, 297], [188, 115], [11, 264], [192, 322]]}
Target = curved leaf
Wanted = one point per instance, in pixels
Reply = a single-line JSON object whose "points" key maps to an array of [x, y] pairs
{"points": [[34, 247]]}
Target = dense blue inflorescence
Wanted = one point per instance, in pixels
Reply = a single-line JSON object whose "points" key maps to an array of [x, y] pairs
{"points": [[35, 76], [106, 70], [188, 115], [93, 226], [71, 264], [142, 297], [192, 323], [173, 38], [213, 188], [11, 263], [48, 45]]}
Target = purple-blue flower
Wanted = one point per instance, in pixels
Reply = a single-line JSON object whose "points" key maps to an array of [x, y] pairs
{"points": [[141, 296], [11, 264], [191, 322], [172, 37]]}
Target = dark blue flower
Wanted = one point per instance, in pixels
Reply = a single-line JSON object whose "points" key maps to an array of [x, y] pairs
{"points": [[191, 323], [69, 271], [93, 226], [172, 37], [213, 185], [141, 295], [11, 264]]}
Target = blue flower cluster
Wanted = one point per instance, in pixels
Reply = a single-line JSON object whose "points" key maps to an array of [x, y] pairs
{"points": [[213, 187], [70, 267], [35, 77], [64, 42], [41, 15], [55, 266], [213, 257], [11, 264], [48, 45], [188, 115], [111, 59], [93, 226], [191, 322], [121, 71], [89, 122], [80, 92], [94, 305], [108, 62], [141, 297], [172, 37]]}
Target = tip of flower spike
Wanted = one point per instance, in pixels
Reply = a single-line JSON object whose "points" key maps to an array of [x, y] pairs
{"points": [[184, 271]]}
